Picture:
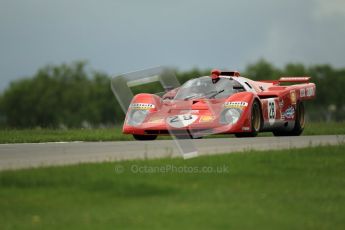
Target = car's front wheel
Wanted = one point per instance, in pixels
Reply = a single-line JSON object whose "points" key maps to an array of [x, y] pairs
{"points": [[256, 121], [144, 137]]}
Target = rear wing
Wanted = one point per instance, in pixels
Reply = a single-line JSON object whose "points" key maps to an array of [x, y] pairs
{"points": [[294, 79], [287, 80]]}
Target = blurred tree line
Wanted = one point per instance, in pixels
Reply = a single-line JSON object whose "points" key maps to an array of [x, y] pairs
{"points": [[70, 95]]}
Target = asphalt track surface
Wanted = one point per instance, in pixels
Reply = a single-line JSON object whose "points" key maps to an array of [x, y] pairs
{"points": [[28, 155]]}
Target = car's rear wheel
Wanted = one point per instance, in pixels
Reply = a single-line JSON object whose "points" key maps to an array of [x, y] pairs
{"points": [[256, 121], [144, 137], [299, 123]]}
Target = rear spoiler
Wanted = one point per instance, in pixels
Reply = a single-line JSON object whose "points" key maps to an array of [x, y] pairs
{"points": [[294, 79]]}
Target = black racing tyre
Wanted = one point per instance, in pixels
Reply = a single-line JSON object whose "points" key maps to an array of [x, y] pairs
{"points": [[144, 137], [299, 123], [256, 121]]}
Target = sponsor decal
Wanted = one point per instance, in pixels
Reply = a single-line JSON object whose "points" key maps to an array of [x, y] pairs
{"points": [[293, 97], [206, 118], [236, 104], [245, 128], [180, 121], [143, 106], [271, 109], [289, 113]]}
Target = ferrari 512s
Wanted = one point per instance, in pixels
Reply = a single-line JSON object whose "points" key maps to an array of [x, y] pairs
{"points": [[222, 103]]}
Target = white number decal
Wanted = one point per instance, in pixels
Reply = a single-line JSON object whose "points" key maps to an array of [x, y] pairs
{"points": [[302, 93], [185, 117], [310, 91], [271, 111], [182, 120]]}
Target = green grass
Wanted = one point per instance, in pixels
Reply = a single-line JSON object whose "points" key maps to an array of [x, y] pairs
{"points": [[324, 128], [290, 189], [49, 135], [115, 134]]}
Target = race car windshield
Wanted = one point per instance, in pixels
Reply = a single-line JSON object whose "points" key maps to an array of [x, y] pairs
{"points": [[203, 87]]}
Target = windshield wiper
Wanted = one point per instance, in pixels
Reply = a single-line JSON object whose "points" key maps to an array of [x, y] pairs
{"points": [[191, 96], [216, 93]]}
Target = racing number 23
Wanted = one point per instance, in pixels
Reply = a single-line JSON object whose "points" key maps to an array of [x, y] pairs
{"points": [[271, 110], [184, 117]]}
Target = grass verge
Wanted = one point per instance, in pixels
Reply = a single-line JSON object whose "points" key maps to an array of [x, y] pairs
{"points": [[115, 134], [287, 189]]}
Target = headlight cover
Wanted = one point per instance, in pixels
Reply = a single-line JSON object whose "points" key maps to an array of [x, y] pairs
{"points": [[230, 116], [137, 116]]}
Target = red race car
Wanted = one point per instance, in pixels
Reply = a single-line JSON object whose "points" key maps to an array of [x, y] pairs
{"points": [[222, 103]]}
